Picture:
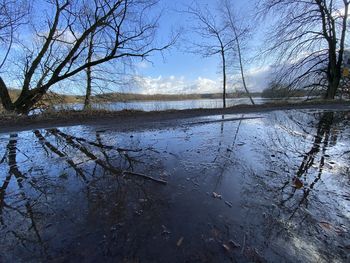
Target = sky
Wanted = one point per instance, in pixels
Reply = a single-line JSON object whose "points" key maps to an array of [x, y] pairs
{"points": [[179, 71]]}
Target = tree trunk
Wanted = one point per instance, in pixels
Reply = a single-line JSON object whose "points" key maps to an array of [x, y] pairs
{"points": [[87, 102], [332, 88], [334, 74], [24, 103], [223, 78], [5, 97], [241, 67]]}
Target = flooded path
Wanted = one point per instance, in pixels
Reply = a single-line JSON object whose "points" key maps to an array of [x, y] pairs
{"points": [[271, 187]]}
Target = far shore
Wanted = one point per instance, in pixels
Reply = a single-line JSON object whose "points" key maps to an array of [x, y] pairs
{"points": [[128, 120]]}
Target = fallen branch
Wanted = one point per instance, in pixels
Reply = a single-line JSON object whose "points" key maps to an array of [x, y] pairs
{"points": [[145, 177], [128, 150]]}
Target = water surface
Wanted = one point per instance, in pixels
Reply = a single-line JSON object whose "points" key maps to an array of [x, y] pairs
{"points": [[270, 187], [177, 104]]}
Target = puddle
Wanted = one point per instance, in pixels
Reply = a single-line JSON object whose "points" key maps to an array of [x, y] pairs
{"points": [[270, 187]]}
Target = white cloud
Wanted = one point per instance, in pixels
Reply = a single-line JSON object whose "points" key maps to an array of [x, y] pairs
{"points": [[339, 13], [175, 85], [204, 85], [66, 36], [257, 79], [142, 65]]}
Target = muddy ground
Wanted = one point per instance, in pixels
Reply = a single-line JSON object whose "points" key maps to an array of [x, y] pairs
{"points": [[125, 120]]}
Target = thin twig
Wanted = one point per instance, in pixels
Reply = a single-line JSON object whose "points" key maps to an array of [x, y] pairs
{"points": [[145, 177], [244, 241]]}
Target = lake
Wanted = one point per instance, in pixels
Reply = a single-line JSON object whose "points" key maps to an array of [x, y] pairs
{"points": [[175, 105], [269, 187]]}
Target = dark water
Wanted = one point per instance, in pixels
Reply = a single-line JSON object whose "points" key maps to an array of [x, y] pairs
{"points": [[269, 188]]}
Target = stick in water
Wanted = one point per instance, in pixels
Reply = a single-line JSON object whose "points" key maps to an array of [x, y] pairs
{"points": [[146, 177]]}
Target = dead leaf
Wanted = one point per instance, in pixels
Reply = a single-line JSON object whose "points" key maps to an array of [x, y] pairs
{"points": [[297, 183], [325, 225]]}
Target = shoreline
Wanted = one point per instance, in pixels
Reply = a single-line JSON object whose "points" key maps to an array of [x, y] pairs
{"points": [[127, 119]]}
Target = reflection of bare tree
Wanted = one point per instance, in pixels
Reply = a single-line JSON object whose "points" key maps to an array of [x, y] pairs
{"points": [[34, 203], [300, 148], [69, 140], [106, 165], [320, 143], [319, 146], [19, 176], [55, 150], [11, 149], [227, 154], [76, 142], [298, 151]]}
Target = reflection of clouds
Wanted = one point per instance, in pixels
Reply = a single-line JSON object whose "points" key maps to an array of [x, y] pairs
{"points": [[309, 250], [230, 158]]}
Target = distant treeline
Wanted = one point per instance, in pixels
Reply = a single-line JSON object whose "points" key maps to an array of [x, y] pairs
{"points": [[122, 97], [52, 98], [276, 90], [271, 92], [115, 97]]}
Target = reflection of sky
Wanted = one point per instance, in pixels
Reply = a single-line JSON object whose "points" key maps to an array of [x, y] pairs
{"points": [[247, 162]]}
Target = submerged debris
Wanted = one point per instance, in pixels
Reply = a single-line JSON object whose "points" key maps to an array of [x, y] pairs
{"points": [[216, 195], [228, 203], [165, 230], [226, 247], [230, 245], [233, 244], [179, 242]]}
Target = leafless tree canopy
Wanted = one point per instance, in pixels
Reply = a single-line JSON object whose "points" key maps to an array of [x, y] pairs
{"points": [[12, 16], [119, 28], [308, 41], [238, 31], [220, 34], [213, 38]]}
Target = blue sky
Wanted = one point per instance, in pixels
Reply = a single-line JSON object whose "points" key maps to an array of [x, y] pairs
{"points": [[180, 71]]}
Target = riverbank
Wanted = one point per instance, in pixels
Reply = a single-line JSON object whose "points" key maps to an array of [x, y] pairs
{"points": [[127, 119]]}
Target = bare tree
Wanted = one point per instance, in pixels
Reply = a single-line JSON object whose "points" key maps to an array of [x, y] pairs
{"points": [[120, 28], [238, 33], [212, 31], [12, 16], [308, 40], [87, 101]]}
